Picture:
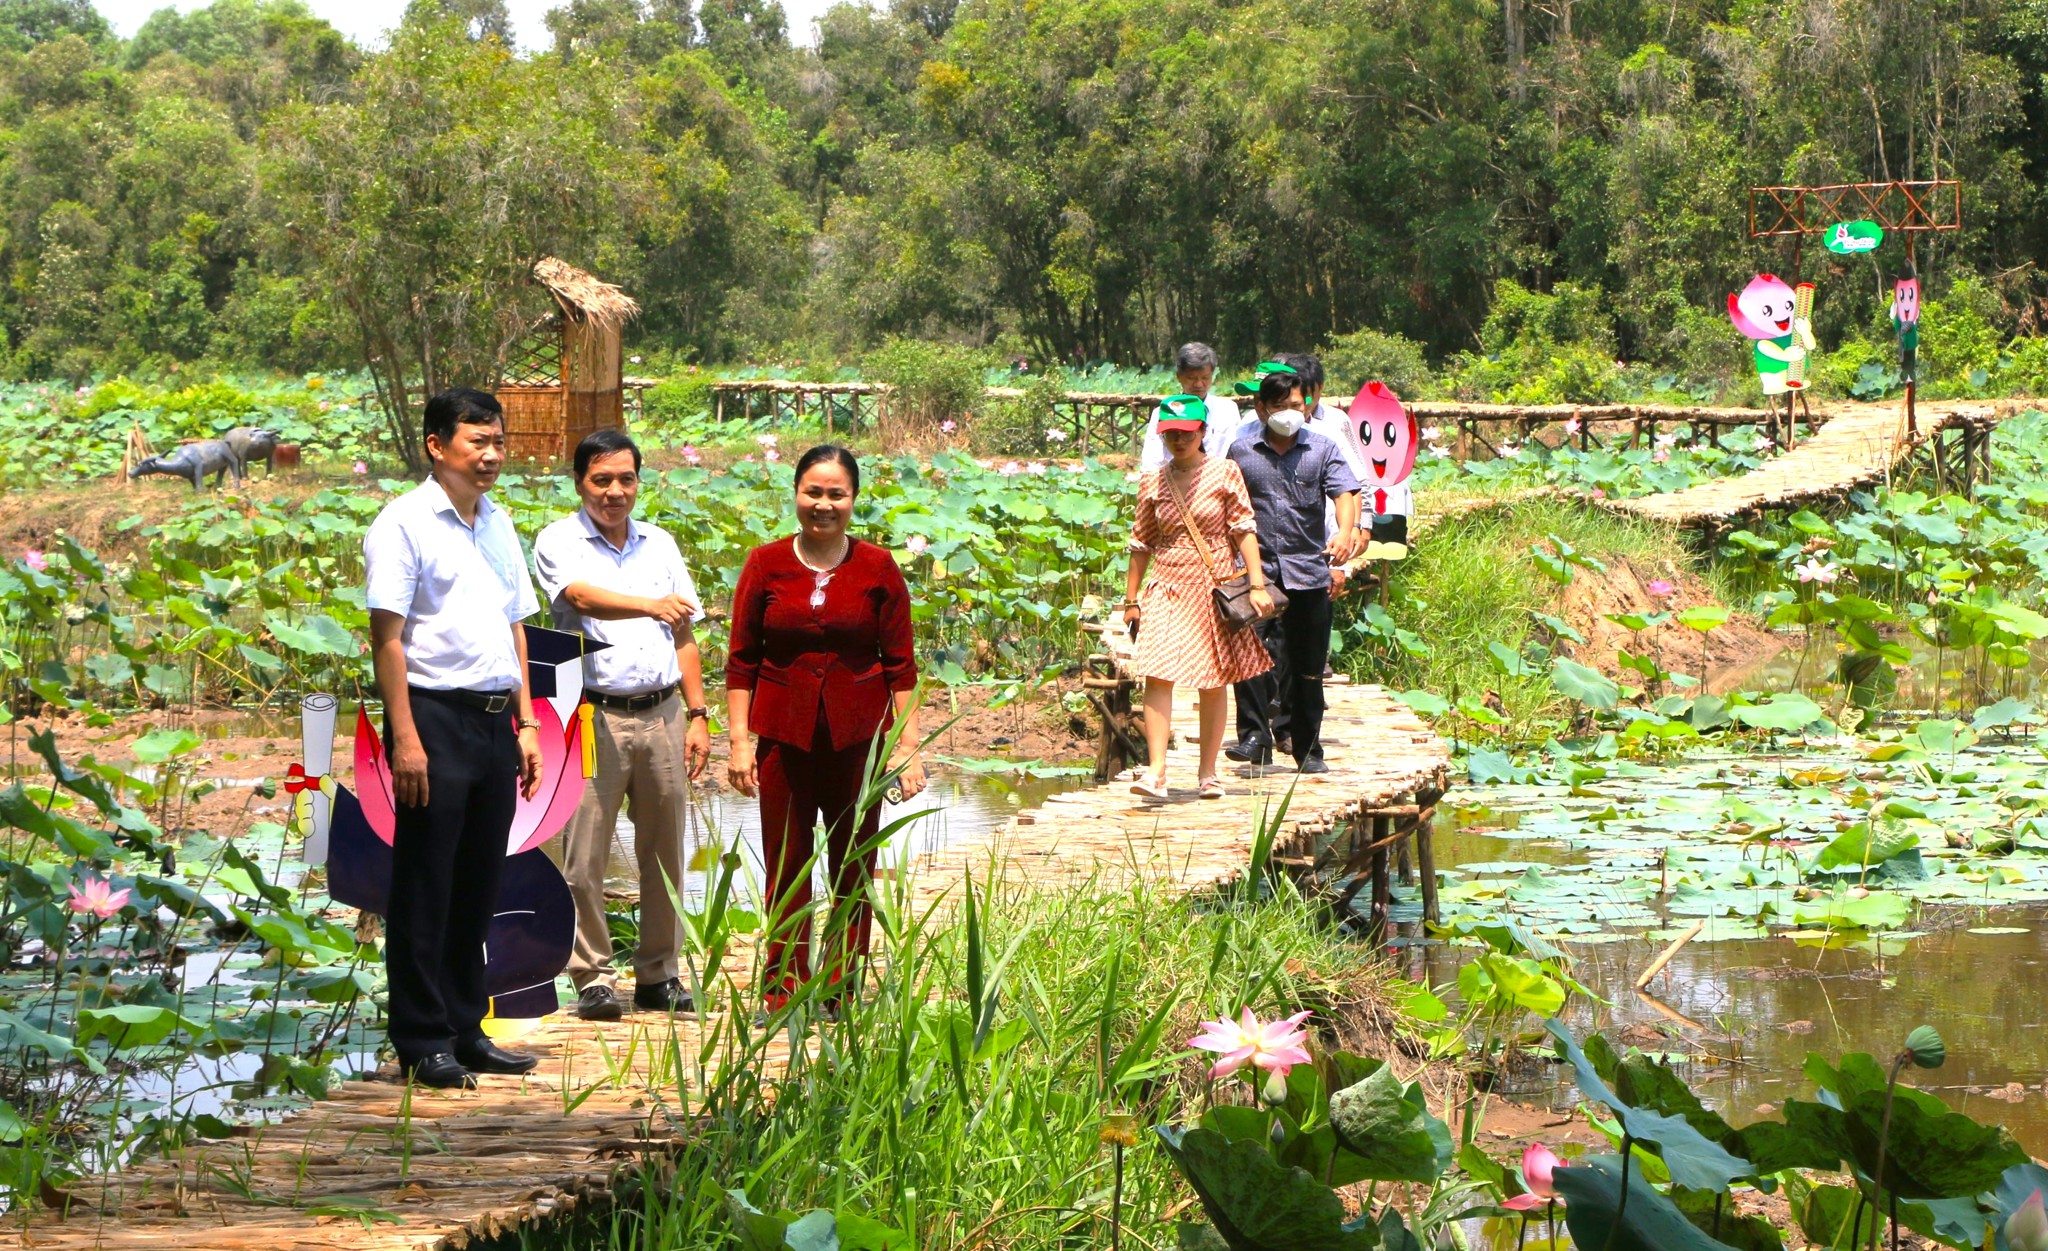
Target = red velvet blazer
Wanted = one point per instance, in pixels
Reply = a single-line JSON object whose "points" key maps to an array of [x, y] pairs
{"points": [[848, 655]]}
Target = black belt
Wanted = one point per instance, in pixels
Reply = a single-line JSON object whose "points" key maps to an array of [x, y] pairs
{"points": [[493, 702], [631, 703]]}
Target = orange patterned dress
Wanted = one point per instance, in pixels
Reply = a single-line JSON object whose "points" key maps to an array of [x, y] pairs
{"points": [[1180, 639]]}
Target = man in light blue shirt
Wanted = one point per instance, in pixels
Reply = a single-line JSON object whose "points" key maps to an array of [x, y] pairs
{"points": [[623, 583], [448, 594]]}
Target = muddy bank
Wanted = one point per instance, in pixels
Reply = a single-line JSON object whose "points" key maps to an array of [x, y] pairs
{"points": [[1625, 587]]}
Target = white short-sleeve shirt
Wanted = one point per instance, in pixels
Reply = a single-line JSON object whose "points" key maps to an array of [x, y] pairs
{"points": [[458, 586], [642, 655]]}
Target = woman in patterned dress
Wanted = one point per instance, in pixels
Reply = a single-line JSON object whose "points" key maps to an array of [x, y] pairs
{"points": [[1179, 637]]}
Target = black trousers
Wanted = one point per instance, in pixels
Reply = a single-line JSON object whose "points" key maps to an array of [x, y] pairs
{"points": [[446, 858], [1286, 701]]}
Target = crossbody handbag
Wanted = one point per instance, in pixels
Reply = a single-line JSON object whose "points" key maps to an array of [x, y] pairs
{"points": [[1231, 596]]}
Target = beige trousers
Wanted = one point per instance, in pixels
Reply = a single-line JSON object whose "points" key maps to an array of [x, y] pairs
{"points": [[640, 761]]}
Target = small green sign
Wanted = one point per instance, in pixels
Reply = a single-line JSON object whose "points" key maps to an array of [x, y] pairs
{"points": [[1849, 238]]}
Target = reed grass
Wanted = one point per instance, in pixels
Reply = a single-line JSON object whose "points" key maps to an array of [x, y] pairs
{"points": [[964, 1097]]}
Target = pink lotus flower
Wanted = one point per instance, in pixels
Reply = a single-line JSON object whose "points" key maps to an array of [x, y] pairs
{"points": [[1055, 436], [1668, 439], [1763, 443], [948, 426], [1599, 493], [771, 456], [691, 455], [359, 468], [1660, 587], [1276, 1046], [1539, 1167], [1661, 455], [2027, 1228], [916, 544], [35, 560], [1035, 467], [1571, 425], [765, 440], [98, 898], [1011, 469], [1510, 450], [1812, 570], [1431, 434]]}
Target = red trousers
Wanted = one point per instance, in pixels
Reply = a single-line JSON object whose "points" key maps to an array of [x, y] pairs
{"points": [[798, 790]]}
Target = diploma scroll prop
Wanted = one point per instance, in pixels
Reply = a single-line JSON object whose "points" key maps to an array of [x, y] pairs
{"points": [[314, 802]]}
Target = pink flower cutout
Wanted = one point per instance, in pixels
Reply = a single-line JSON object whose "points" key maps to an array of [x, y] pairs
{"points": [[1276, 1046], [1660, 587], [35, 560], [98, 898], [1539, 1167]]}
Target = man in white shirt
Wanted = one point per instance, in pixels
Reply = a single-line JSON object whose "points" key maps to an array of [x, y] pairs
{"points": [[1194, 368], [620, 582], [448, 593]]}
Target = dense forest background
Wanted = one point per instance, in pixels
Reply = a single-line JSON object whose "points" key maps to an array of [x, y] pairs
{"points": [[1059, 179]]}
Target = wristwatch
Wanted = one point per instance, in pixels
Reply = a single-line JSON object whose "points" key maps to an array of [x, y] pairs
{"points": [[528, 723], [697, 712]]}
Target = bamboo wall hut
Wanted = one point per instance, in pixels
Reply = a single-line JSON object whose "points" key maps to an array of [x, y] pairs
{"points": [[563, 375]]}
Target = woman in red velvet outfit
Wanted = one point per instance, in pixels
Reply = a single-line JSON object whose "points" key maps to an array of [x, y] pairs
{"points": [[821, 664]]}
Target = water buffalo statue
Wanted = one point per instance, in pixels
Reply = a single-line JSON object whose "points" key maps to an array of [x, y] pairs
{"points": [[194, 461]]}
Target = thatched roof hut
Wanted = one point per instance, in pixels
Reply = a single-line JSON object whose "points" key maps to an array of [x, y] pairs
{"points": [[563, 377]]}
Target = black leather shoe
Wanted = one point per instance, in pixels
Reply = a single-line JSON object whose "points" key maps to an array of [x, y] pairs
{"points": [[598, 1002], [485, 1056], [1251, 749], [1314, 764], [439, 1070], [668, 996]]}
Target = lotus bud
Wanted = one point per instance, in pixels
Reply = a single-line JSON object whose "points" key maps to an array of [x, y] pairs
{"points": [[2027, 1228], [1279, 1132], [1926, 1047], [1273, 1092]]}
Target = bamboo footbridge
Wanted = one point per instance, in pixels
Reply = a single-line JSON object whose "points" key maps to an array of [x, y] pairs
{"points": [[379, 1167], [1856, 446]]}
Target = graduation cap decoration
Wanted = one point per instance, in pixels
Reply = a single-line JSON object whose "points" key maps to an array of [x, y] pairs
{"points": [[545, 649]]}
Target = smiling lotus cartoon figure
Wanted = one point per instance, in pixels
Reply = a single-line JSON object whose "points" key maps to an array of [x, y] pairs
{"points": [[1767, 312], [1387, 435], [1906, 320]]}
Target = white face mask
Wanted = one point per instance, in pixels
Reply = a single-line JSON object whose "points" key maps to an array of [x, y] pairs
{"points": [[1286, 422]]}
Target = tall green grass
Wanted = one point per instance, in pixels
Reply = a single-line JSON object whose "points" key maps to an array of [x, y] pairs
{"points": [[963, 1099], [1471, 581]]}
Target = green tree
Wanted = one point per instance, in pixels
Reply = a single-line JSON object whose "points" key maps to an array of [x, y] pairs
{"points": [[421, 206]]}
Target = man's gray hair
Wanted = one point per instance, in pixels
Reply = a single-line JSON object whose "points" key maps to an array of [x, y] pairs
{"points": [[1194, 356]]}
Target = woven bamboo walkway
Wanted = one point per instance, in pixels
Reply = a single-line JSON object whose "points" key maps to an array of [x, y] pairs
{"points": [[378, 1169], [1858, 445]]}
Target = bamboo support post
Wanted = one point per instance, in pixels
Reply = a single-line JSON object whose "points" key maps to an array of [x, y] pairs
{"points": [[1664, 956]]}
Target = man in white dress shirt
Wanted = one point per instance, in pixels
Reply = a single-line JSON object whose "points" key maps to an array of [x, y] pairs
{"points": [[1194, 369], [615, 580], [448, 593]]}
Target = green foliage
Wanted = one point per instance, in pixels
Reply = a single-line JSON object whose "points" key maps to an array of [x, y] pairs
{"points": [[1366, 355], [930, 382]]}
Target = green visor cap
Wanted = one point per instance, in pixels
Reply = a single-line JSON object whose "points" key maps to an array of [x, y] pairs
{"points": [[1183, 412], [1259, 375]]}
